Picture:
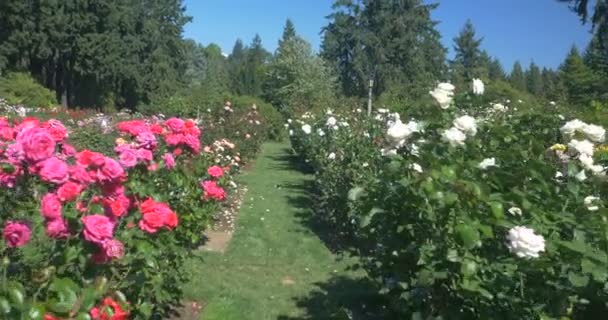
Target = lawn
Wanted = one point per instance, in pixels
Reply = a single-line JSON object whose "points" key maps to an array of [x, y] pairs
{"points": [[276, 267]]}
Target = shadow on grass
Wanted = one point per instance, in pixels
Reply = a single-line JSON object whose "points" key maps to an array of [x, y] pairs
{"points": [[342, 298], [288, 160]]}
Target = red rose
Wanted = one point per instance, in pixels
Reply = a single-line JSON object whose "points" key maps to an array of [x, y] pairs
{"points": [[156, 216], [88, 158], [69, 191], [215, 171]]}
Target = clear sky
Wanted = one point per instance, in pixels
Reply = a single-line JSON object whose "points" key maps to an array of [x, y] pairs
{"points": [[525, 30]]}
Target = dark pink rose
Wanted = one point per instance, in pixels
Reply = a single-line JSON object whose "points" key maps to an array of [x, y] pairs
{"points": [[17, 234], [175, 124], [97, 228], [57, 229], [113, 249], [53, 170], [128, 158], [37, 144], [169, 161], [56, 129], [50, 207], [111, 172], [69, 191]]}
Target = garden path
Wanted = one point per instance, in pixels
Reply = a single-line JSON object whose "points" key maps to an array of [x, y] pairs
{"points": [[275, 266]]}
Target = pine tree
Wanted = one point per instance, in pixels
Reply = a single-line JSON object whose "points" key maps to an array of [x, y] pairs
{"points": [[289, 31], [468, 53], [495, 70], [578, 79], [517, 77], [534, 80], [395, 43]]}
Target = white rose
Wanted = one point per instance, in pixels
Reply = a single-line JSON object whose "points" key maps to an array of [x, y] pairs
{"points": [[291, 132], [581, 176], [320, 132], [486, 163], [444, 98], [446, 86], [515, 211], [398, 131], [594, 133], [329, 112], [381, 110], [499, 107], [306, 128], [591, 203], [416, 167], [581, 147], [331, 156], [524, 243], [390, 152], [466, 124], [552, 103], [478, 87], [331, 121], [344, 124], [454, 136], [571, 127]]}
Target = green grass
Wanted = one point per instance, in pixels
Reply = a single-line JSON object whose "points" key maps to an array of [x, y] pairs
{"points": [[273, 243]]}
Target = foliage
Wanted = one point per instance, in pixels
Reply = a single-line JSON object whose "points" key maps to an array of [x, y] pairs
{"points": [[433, 225], [468, 54], [96, 53], [67, 266], [20, 88], [297, 79], [394, 43], [578, 79]]}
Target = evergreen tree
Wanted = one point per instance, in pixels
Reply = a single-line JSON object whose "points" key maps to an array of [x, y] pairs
{"points": [[468, 58], [578, 79], [551, 85], [289, 31], [236, 67], [395, 43], [517, 77], [534, 80], [495, 70]]}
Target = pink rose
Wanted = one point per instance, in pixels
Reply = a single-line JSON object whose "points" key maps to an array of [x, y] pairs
{"points": [[69, 191], [50, 207], [97, 228], [80, 175], [153, 167], [7, 133], [17, 234], [128, 158], [175, 124], [54, 170], [111, 172], [14, 153], [144, 155], [146, 140], [212, 191], [169, 161], [26, 124], [56, 129], [215, 171], [192, 142], [67, 150], [37, 144], [8, 178], [57, 229], [173, 139], [113, 249]]}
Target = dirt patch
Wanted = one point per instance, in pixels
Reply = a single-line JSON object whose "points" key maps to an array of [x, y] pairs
{"points": [[189, 310], [288, 281], [224, 223]]}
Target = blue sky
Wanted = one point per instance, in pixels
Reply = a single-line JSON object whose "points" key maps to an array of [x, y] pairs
{"points": [[525, 30]]}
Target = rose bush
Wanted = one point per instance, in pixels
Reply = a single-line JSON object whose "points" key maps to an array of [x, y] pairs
{"points": [[470, 212], [103, 235]]}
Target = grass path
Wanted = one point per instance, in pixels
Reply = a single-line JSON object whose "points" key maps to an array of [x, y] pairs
{"points": [[276, 267]]}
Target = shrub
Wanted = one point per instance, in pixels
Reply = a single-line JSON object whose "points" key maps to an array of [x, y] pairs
{"points": [[443, 231], [21, 88], [85, 231]]}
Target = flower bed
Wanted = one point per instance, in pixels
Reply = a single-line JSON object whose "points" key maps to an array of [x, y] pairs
{"points": [[468, 213], [103, 235]]}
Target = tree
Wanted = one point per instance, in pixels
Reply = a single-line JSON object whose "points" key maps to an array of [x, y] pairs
{"points": [[236, 66], [517, 77], [255, 68], [578, 79], [96, 53], [468, 53], [534, 80], [298, 79], [551, 85], [289, 31], [495, 70], [394, 43]]}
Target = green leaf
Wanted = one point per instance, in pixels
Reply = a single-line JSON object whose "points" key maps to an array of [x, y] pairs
{"points": [[356, 193], [367, 219], [5, 306], [16, 295], [497, 210], [578, 280], [468, 236]]}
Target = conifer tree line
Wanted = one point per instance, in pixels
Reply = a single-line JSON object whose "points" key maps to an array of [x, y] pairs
{"points": [[129, 53]]}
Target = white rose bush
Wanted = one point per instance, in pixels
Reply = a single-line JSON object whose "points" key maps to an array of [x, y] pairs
{"points": [[463, 211]]}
